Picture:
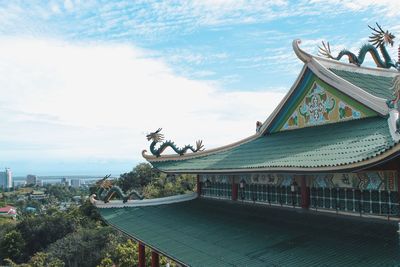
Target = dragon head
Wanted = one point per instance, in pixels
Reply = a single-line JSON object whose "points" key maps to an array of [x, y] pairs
{"points": [[380, 37], [104, 183], [155, 136]]}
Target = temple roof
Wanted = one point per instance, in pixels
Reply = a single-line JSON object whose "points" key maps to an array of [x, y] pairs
{"points": [[333, 145], [217, 233], [376, 85], [359, 134]]}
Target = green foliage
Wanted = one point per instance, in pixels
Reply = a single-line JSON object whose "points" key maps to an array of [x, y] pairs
{"points": [[40, 259], [40, 231], [106, 262], [12, 245], [126, 254], [64, 193], [85, 247], [88, 210], [77, 236], [163, 186], [138, 178]]}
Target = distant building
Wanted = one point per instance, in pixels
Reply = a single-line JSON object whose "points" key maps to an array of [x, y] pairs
{"points": [[64, 181], [31, 179], [6, 181], [39, 182], [76, 182], [8, 211], [37, 195]]}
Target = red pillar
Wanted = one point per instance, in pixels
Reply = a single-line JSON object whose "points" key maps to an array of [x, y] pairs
{"points": [[155, 259], [198, 186], [142, 255], [235, 187], [398, 181], [305, 193]]}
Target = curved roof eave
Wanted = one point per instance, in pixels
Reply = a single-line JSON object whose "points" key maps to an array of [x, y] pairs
{"points": [[315, 64], [356, 166], [175, 157]]}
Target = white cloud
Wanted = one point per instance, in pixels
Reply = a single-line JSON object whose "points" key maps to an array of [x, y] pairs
{"points": [[390, 8], [75, 100]]}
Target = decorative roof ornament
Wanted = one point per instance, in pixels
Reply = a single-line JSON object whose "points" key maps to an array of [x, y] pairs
{"points": [[157, 137], [393, 103], [106, 190], [394, 117], [379, 39]]}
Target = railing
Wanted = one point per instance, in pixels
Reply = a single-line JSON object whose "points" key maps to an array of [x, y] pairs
{"points": [[355, 200], [280, 195], [217, 190]]}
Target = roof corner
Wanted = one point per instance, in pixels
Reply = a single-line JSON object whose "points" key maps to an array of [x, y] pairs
{"points": [[301, 54]]}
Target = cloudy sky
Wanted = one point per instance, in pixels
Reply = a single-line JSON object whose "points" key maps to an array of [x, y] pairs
{"points": [[82, 82]]}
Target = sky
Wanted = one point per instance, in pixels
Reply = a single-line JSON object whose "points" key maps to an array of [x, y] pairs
{"points": [[83, 82]]}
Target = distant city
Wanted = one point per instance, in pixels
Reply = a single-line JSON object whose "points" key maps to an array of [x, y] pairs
{"points": [[8, 181]]}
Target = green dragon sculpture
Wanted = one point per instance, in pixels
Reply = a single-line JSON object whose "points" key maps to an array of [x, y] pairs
{"points": [[157, 137], [379, 38], [106, 190]]}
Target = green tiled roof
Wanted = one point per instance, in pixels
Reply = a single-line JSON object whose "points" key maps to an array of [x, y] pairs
{"points": [[322, 146], [218, 233], [376, 85]]}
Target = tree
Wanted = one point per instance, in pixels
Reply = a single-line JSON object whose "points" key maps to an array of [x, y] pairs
{"points": [[106, 262], [42, 259], [84, 247], [40, 231], [12, 246], [138, 178]]}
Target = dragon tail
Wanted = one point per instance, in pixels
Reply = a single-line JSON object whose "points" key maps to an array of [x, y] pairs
{"points": [[325, 51]]}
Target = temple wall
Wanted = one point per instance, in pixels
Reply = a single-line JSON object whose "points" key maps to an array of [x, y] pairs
{"points": [[370, 180], [369, 192]]}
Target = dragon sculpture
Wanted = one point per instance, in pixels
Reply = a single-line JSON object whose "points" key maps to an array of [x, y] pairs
{"points": [[378, 39], [393, 105], [106, 190], [157, 137]]}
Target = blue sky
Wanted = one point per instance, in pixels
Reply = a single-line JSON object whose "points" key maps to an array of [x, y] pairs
{"points": [[83, 81]]}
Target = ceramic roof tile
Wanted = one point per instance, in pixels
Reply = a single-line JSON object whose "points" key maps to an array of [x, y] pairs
{"points": [[379, 86], [322, 146], [203, 233]]}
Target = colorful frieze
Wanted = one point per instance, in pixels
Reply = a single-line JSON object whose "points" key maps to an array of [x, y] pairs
{"points": [[215, 178], [348, 112], [323, 180], [374, 180], [320, 106], [272, 179]]}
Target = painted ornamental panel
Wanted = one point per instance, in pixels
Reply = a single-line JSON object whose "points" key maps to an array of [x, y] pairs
{"points": [[320, 106]]}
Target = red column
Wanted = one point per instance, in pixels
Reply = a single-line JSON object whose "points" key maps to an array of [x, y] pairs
{"points": [[142, 255], [305, 193], [155, 259], [235, 187], [198, 186], [398, 179]]}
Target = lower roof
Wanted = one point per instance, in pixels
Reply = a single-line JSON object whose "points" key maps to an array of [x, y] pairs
{"points": [[325, 147], [205, 232]]}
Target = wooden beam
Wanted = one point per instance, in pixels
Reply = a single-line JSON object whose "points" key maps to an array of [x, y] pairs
{"points": [[235, 189], [198, 185], [305, 193], [155, 259], [142, 255]]}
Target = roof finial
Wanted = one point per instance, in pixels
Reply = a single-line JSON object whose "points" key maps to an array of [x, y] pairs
{"points": [[379, 39], [157, 137]]}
